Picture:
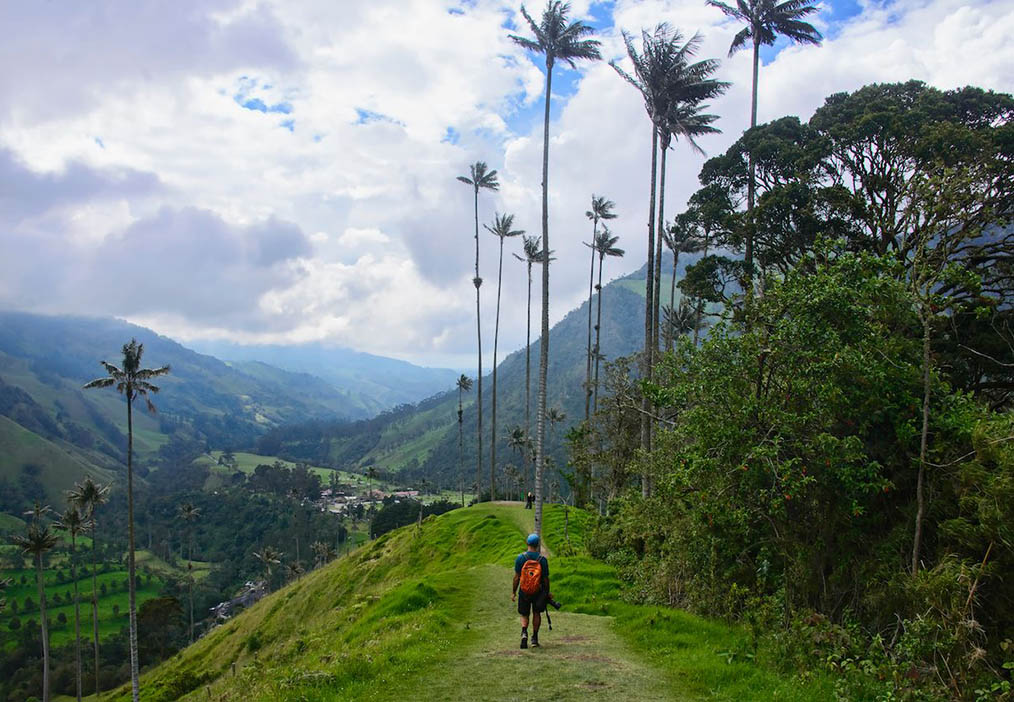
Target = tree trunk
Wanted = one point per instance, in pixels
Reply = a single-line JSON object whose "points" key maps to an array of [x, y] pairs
{"points": [[190, 569], [540, 410], [131, 585], [528, 384], [598, 335], [478, 378], [649, 309], [920, 480], [39, 579], [656, 323], [700, 304], [496, 340], [461, 447], [77, 613], [95, 602], [588, 357], [751, 185]]}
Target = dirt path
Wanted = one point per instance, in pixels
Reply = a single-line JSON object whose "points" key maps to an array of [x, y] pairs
{"points": [[581, 658]]}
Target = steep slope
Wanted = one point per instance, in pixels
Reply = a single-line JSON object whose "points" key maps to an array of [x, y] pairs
{"points": [[425, 613]]}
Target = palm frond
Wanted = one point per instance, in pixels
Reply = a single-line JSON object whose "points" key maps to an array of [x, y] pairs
{"points": [[99, 383]]}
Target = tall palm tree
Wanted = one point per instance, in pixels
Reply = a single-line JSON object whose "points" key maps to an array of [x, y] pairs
{"points": [[601, 209], [765, 21], [517, 440], [554, 417], [36, 542], [682, 236], [557, 39], [371, 474], [605, 245], [132, 381], [88, 496], [501, 229], [533, 254], [673, 89], [464, 385], [74, 522], [189, 514], [479, 179], [268, 557]]}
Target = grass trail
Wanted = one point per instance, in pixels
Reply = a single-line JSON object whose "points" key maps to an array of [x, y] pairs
{"points": [[581, 658]]}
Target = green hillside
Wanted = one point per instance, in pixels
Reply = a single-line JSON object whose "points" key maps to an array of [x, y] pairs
{"points": [[422, 440], [23, 452], [430, 610]]}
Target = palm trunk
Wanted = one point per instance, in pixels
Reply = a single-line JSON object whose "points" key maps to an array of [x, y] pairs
{"points": [[656, 323], [528, 384], [190, 569], [461, 448], [77, 613], [598, 333], [751, 186], [540, 410], [95, 602], [131, 588], [672, 298], [496, 340], [39, 579], [649, 310], [919, 490], [478, 333], [588, 357], [700, 304]]}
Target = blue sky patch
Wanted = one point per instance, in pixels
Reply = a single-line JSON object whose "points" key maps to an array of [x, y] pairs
{"points": [[102, 144], [259, 105], [289, 124], [364, 116], [451, 136]]}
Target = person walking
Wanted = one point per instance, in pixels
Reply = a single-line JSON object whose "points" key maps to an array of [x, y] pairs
{"points": [[531, 580], [528, 500]]}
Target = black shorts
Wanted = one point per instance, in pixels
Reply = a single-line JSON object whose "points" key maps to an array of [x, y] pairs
{"points": [[532, 603]]}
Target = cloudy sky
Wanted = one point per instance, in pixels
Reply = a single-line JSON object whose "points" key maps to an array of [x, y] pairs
{"points": [[284, 172]]}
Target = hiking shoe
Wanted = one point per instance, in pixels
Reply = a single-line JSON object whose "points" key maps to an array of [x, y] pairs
{"points": [[535, 642], [524, 641]]}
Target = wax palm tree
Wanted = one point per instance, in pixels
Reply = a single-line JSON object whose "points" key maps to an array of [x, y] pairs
{"points": [[533, 254], [601, 209], [189, 514], [673, 89], [679, 320], [479, 179], [371, 473], [557, 39], [464, 385], [765, 21], [682, 236], [37, 541], [268, 557], [133, 382], [555, 416], [605, 245], [88, 496], [502, 229], [74, 522]]}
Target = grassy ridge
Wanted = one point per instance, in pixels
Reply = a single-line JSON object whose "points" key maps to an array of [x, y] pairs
{"points": [[397, 611]]}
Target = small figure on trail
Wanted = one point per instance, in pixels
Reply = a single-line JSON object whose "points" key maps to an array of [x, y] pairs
{"points": [[531, 577], [529, 498]]}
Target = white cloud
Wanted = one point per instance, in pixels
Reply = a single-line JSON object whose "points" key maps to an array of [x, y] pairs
{"points": [[120, 123]]}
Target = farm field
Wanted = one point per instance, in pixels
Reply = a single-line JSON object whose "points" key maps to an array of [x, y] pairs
{"points": [[110, 622]]}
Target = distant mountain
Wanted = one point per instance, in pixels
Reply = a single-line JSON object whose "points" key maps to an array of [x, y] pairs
{"points": [[375, 383], [44, 361], [421, 441]]}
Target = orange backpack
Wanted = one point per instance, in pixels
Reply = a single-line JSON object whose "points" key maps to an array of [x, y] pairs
{"points": [[531, 576]]}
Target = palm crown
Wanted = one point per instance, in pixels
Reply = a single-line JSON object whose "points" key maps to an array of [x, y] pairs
{"points": [[605, 244], [601, 208], [480, 177], [558, 39], [502, 224], [464, 383], [673, 88], [131, 380], [766, 19], [88, 496]]}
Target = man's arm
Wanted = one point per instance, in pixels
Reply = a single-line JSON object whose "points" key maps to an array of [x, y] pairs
{"points": [[514, 588]]}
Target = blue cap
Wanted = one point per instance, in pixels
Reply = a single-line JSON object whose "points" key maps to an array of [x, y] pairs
{"points": [[533, 539]]}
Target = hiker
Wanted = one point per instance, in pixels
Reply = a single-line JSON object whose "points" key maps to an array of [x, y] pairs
{"points": [[529, 498], [531, 577]]}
